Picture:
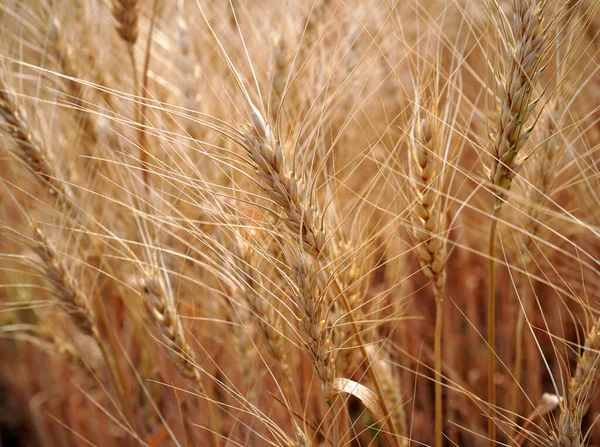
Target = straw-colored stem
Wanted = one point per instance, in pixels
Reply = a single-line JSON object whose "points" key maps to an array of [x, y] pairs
{"points": [[518, 373], [437, 347], [491, 336]]}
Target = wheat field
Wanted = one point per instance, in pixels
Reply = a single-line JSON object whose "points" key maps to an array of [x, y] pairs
{"points": [[299, 223]]}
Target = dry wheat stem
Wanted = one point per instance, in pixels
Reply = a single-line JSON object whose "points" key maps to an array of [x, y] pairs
{"points": [[515, 109]]}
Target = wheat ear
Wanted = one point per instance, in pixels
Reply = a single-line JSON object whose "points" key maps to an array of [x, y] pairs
{"points": [[64, 56], [305, 222], [284, 187], [313, 322], [64, 287], [164, 313], [581, 393], [30, 150], [516, 107], [427, 230], [161, 304]]}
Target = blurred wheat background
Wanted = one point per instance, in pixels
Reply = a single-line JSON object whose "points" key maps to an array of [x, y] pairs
{"points": [[299, 223]]}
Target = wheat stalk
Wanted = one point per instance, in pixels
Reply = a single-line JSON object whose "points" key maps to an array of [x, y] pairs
{"points": [[516, 108], [427, 230]]}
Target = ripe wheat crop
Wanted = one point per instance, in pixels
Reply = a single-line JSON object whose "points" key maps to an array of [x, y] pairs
{"points": [[299, 223]]}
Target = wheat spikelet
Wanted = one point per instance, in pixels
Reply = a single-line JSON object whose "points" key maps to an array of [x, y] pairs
{"points": [[516, 107], [427, 216]]}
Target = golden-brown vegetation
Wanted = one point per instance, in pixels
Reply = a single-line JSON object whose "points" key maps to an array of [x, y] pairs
{"points": [[299, 223]]}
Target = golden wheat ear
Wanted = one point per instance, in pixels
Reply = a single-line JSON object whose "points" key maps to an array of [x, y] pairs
{"points": [[523, 70], [29, 148]]}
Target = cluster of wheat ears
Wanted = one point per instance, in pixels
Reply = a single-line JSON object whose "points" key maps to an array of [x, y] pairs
{"points": [[299, 223]]}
